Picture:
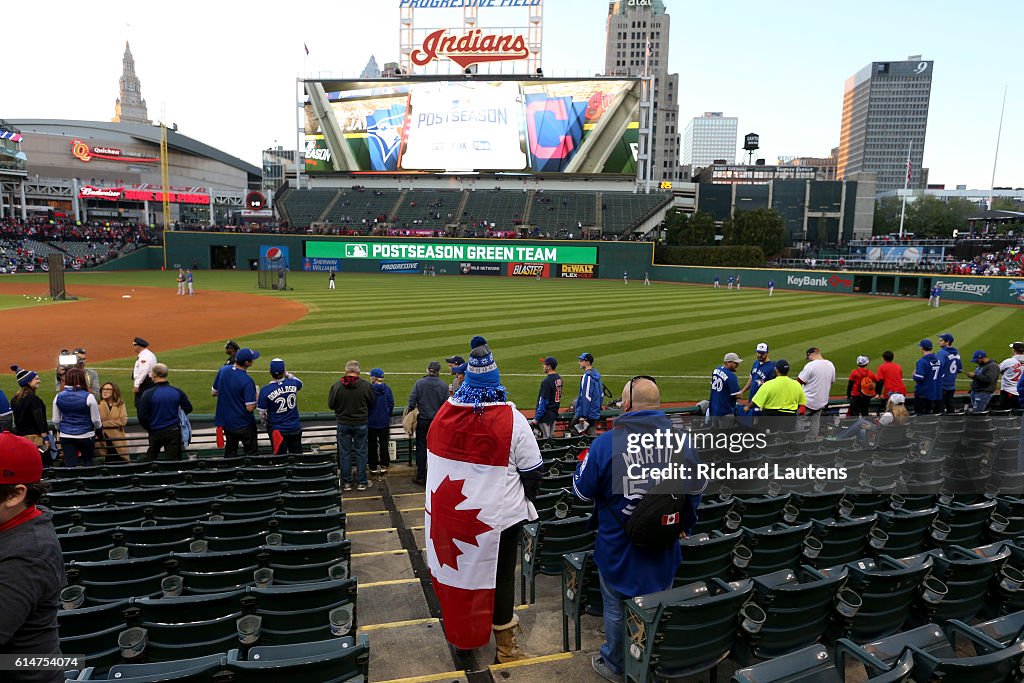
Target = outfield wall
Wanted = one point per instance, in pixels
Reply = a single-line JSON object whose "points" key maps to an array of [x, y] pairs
{"points": [[578, 259], [976, 289], [395, 255]]}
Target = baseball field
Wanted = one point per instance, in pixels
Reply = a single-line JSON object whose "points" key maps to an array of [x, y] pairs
{"points": [[676, 333]]}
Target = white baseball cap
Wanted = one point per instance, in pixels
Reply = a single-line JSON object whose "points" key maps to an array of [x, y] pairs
{"points": [[732, 358], [762, 348], [897, 399], [863, 360], [885, 419]]}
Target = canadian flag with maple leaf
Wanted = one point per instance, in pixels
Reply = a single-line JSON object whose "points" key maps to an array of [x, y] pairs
{"points": [[473, 494]]}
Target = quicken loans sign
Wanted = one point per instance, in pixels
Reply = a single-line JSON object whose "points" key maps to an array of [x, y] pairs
{"points": [[433, 251]]}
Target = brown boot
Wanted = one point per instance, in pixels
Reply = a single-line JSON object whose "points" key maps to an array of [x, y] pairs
{"points": [[505, 639]]}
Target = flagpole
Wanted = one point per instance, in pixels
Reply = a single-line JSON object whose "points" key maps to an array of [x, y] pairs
{"points": [[650, 115], [995, 159], [906, 186]]}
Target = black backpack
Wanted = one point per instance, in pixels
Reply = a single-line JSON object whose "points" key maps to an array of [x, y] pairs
{"points": [[660, 517]]}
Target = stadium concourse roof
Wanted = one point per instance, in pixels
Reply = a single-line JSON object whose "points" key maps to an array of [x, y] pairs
{"points": [[138, 131]]}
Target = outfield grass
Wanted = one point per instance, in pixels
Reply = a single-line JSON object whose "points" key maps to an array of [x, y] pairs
{"points": [[677, 333], [9, 301]]}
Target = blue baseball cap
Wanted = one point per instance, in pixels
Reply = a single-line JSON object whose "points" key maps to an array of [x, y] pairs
{"points": [[276, 366], [926, 344], [978, 355], [946, 337], [586, 356], [377, 372], [244, 355], [550, 361]]}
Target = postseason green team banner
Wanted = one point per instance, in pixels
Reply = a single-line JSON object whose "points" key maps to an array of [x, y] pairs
{"points": [[434, 251]]}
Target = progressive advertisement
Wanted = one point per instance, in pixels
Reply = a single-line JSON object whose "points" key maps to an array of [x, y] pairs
{"points": [[435, 251], [399, 267], [439, 125]]}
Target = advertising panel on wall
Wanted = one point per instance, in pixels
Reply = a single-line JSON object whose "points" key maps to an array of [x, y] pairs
{"points": [[437, 125], [273, 257], [825, 282], [450, 251], [529, 269], [469, 268], [581, 271], [399, 266], [321, 265]]}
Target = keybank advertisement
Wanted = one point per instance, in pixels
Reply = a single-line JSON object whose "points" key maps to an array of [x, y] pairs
{"points": [[829, 282], [432, 251]]}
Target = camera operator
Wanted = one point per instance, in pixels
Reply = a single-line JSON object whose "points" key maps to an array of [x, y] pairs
{"points": [[92, 378]]}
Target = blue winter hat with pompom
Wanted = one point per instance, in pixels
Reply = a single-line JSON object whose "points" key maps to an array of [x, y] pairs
{"points": [[483, 381]]}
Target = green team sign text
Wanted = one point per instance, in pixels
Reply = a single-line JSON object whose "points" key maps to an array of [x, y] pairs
{"points": [[432, 251]]}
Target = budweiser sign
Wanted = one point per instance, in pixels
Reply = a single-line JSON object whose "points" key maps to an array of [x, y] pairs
{"points": [[471, 48], [90, 192]]}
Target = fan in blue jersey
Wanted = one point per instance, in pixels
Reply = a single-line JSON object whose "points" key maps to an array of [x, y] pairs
{"points": [[725, 389], [279, 409], [927, 381], [951, 366], [760, 372]]}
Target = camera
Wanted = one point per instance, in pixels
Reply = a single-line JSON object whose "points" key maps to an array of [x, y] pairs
{"points": [[66, 359]]}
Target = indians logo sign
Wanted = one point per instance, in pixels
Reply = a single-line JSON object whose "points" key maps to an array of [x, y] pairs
{"points": [[471, 48]]}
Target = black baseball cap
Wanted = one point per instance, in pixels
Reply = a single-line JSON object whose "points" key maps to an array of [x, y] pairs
{"points": [[139, 341], [550, 361], [782, 365], [455, 360], [231, 344]]}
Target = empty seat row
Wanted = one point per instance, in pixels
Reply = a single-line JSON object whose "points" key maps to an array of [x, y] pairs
{"points": [[144, 479], [172, 628], [173, 573]]}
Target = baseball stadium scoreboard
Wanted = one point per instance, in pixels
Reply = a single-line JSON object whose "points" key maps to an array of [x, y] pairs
{"points": [[512, 125]]}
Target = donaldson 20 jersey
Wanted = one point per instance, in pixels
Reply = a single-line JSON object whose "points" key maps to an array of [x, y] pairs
{"points": [[465, 126], [279, 401]]}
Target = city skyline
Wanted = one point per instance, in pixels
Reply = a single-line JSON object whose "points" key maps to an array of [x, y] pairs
{"points": [[786, 86]]}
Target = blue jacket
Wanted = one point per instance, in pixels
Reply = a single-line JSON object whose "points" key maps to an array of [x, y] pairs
{"points": [[158, 407], [383, 405], [1020, 392], [73, 413], [952, 366], [927, 380], [588, 403], [599, 478]]}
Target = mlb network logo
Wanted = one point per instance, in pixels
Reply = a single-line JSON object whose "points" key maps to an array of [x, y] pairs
{"points": [[357, 251]]}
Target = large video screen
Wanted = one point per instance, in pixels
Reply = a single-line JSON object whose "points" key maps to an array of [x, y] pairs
{"points": [[524, 126]]}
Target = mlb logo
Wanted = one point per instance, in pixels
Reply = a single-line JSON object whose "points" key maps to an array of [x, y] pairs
{"points": [[356, 251]]}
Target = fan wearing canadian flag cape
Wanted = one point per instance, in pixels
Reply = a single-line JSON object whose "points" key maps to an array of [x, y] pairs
{"points": [[483, 471]]}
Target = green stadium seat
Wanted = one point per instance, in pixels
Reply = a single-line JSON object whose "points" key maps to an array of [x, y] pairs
{"points": [[179, 512], [581, 592], [887, 590], [682, 632], [1002, 630], [935, 658], [843, 540], [216, 572], [92, 631], [335, 660], [797, 605], [760, 511], [115, 580], [967, 576], [907, 530], [706, 556], [814, 506], [304, 613], [711, 515], [815, 664], [194, 670], [966, 522], [308, 563], [771, 548], [544, 543], [188, 626]]}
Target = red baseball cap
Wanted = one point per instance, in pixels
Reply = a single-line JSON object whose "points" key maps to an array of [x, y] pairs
{"points": [[19, 460]]}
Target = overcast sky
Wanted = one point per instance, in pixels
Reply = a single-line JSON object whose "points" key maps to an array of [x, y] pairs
{"points": [[225, 71]]}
